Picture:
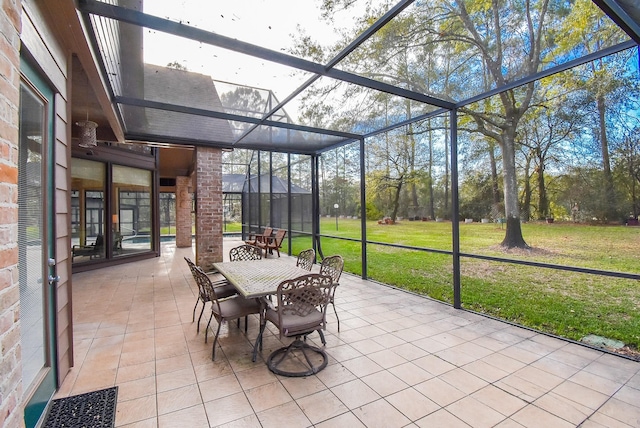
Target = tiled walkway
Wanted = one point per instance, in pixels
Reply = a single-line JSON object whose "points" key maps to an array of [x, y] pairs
{"points": [[399, 360]]}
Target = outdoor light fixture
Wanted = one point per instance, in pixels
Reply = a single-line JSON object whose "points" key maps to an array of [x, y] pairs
{"points": [[87, 133], [336, 206]]}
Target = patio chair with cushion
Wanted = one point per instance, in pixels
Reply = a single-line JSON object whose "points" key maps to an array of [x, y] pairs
{"points": [[306, 258], [223, 290], [245, 252], [273, 243], [254, 238], [94, 250], [333, 266], [232, 308], [301, 310]]}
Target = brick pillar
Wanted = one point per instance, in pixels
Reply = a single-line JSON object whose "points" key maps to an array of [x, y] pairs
{"points": [[208, 206], [11, 411], [183, 212]]}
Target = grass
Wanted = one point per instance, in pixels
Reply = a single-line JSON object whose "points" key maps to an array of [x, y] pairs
{"points": [[232, 227], [567, 304]]}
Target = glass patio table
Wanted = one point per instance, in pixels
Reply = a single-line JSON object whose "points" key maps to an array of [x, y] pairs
{"points": [[258, 279]]}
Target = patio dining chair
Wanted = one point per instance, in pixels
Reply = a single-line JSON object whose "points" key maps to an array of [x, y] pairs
{"points": [[223, 290], [301, 310], [306, 258], [245, 252], [333, 266], [232, 308]]}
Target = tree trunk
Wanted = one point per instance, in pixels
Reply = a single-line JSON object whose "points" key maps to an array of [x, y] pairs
{"points": [[414, 196], [543, 202], [513, 235], [396, 200], [606, 164], [526, 202], [412, 166], [495, 189]]}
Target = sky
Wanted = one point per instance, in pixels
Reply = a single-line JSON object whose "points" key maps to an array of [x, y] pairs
{"points": [[266, 23]]}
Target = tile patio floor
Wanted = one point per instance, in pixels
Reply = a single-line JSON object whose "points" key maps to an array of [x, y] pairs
{"points": [[399, 361]]}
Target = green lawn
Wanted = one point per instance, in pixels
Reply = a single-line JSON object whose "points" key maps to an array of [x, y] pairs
{"points": [[564, 303], [232, 227]]}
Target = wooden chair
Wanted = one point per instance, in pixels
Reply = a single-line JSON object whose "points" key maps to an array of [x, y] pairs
{"points": [[229, 309], [333, 266], [273, 243], [306, 258], [254, 238]]}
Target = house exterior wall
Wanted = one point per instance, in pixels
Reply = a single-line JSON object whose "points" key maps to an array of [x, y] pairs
{"points": [[11, 388], [209, 215]]}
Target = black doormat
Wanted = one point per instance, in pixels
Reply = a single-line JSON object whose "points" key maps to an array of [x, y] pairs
{"points": [[95, 409]]}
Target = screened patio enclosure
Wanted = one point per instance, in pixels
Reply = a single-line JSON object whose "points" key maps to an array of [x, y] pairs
{"points": [[438, 115]]}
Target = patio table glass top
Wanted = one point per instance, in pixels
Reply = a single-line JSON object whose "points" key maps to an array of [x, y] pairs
{"points": [[257, 278]]}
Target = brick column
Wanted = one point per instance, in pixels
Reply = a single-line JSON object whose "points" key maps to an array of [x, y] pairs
{"points": [[183, 212], [208, 206], [11, 411]]}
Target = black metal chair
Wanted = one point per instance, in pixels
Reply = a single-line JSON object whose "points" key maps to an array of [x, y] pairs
{"points": [[306, 259], [223, 290], [301, 309], [229, 309], [333, 266]]}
